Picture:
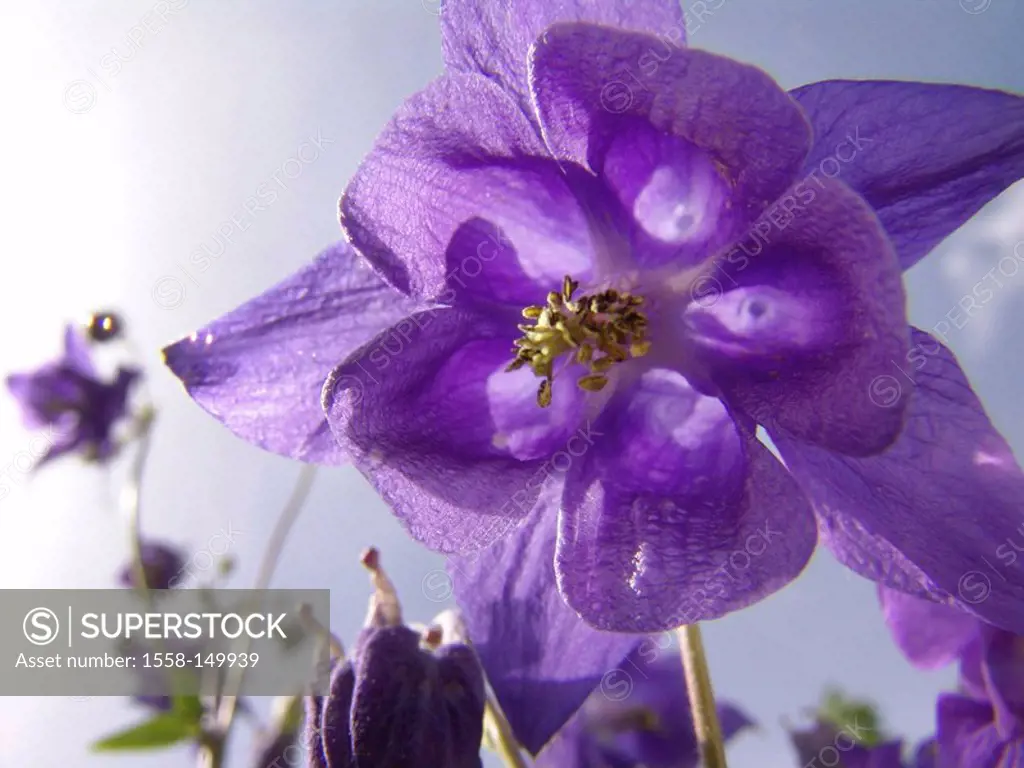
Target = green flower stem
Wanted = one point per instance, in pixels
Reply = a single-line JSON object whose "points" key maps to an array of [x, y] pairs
{"points": [[702, 697], [505, 743], [212, 756]]}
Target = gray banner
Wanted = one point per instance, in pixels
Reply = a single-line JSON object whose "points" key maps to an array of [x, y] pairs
{"points": [[110, 642]]}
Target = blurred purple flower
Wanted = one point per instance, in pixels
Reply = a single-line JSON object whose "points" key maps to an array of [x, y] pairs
{"points": [[640, 716], [982, 725], [72, 402], [162, 564]]}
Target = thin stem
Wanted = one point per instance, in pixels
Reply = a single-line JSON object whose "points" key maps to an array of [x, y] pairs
{"points": [[209, 757], [131, 501], [504, 740], [702, 697]]}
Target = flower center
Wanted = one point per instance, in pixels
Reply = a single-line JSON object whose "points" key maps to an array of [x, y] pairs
{"points": [[598, 331]]}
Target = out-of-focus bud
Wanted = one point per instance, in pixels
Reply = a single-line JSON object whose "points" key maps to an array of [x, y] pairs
{"points": [[161, 563]]}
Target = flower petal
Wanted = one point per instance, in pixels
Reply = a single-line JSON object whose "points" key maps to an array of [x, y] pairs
{"points": [[312, 728], [493, 37], [930, 635], [77, 355], [458, 195], [586, 90], [926, 156], [335, 732], [965, 733], [676, 515], [675, 199], [820, 317], [540, 658], [945, 496], [450, 440], [260, 369]]}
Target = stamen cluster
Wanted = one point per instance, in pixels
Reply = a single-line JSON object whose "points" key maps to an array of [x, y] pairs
{"points": [[608, 324]]}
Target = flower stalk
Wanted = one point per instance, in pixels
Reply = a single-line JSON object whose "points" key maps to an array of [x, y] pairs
{"points": [[702, 697]]}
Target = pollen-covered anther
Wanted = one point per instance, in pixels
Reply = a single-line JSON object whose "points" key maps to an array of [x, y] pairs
{"points": [[597, 331]]}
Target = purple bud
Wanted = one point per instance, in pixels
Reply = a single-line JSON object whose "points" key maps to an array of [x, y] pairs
{"points": [[399, 705], [161, 563]]}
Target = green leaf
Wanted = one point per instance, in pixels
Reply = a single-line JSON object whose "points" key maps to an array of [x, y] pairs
{"points": [[858, 718], [189, 709], [162, 731]]}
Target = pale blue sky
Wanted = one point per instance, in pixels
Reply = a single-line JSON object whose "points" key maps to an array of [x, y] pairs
{"points": [[116, 172]]}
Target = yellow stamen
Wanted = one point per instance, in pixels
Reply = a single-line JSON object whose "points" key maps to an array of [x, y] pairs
{"points": [[608, 323]]}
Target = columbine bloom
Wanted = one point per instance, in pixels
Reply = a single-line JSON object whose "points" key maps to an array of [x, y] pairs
{"points": [[69, 399], [403, 699], [639, 716], [162, 564], [664, 267], [983, 724], [669, 251]]}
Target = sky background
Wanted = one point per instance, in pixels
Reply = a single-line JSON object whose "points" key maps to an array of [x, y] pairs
{"points": [[111, 180]]}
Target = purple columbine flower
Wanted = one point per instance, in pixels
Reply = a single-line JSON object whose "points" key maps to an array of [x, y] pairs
{"points": [[162, 564], [734, 256], [639, 716], [69, 399], [690, 265], [402, 700], [982, 725]]}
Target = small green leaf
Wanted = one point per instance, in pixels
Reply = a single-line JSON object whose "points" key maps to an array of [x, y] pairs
{"points": [[857, 718], [162, 731], [189, 709]]}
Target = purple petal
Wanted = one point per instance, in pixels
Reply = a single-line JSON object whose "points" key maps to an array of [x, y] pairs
{"points": [[458, 196], [965, 733], [335, 732], [926, 157], [675, 198], [493, 37], [587, 93], [311, 732], [162, 563], [77, 354], [650, 682], [887, 755], [260, 368], [821, 315], [677, 514], [930, 635], [540, 658], [454, 444], [945, 497], [1003, 674]]}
